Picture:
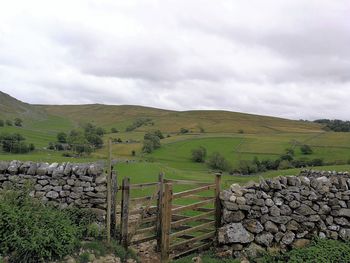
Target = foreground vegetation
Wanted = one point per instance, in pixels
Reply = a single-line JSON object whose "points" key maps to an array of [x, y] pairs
{"points": [[33, 232], [319, 251]]}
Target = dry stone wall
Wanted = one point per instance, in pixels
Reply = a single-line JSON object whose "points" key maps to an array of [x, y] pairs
{"points": [[64, 185], [285, 212]]}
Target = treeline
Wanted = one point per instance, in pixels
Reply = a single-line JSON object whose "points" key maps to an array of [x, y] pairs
{"points": [[80, 141], [335, 125], [138, 123], [287, 160], [16, 122]]}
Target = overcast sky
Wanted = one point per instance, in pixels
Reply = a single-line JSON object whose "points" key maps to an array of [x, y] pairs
{"points": [[287, 58]]}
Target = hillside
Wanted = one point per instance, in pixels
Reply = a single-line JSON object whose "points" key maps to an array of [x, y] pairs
{"points": [[11, 108], [171, 121]]}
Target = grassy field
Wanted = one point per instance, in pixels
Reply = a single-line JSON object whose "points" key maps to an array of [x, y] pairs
{"points": [[237, 136]]}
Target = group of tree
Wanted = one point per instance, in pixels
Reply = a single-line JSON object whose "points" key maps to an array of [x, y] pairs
{"points": [[81, 141], [15, 143], [287, 160], [138, 123], [17, 122], [335, 125], [151, 141]]}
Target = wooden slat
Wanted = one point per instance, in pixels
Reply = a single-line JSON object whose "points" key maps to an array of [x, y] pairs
{"points": [[138, 186], [140, 211], [193, 240], [193, 191], [141, 199], [199, 247], [185, 182], [191, 219], [149, 219], [192, 229], [218, 207], [198, 197], [142, 240], [145, 230], [192, 206], [203, 209]]}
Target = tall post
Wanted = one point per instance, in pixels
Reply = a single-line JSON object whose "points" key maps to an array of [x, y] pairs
{"points": [[114, 204], [159, 208], [217, 201], [109, 190], [166, 222], [125, 213]]}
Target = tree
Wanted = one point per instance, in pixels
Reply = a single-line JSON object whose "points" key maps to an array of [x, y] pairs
{"points": [[95, 140], [153, 138], [199, 154], [8, 122], [148, 146], [114, 130], [306, 149], [14, 143], [184, 130], [100, 131], [133, 152], [218, 162], [159, 134], [62, 137], [2, 123], [18, 122]]}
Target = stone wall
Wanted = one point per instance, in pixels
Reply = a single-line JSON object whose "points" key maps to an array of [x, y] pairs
{"points": [[285, 212], [64, 185]]}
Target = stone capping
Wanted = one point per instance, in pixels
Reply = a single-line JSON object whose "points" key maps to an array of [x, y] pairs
{"points": [[82, 185], [285, 212]]}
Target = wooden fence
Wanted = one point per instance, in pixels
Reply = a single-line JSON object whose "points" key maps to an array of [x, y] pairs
{"points": [[179, 229]]}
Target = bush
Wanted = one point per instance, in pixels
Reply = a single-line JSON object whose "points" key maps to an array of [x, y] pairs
{"points": [[218, 162], [18, 122], [14, 143], [62, 137], [306, 149], [285, 164], [320, 250], [32, 232], [184, 130], [9, 123], [199, 154], [248, 167], [2, 123], [114, 130]]}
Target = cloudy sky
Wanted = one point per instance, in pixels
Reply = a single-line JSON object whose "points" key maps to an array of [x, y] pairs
{"points": [[287, 58]]}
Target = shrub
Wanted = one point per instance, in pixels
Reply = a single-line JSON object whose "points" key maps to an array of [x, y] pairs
{"points": [[18, 122], [62, 137], [133, 152], [320, 250], [93, 230], [32, 232], [285, 164], [2, 123], [306, 149], [8, 122], [240, 131], [199, 154], [248, 167], [114, 130], [184, 130], [14, 143], [218, 162]]}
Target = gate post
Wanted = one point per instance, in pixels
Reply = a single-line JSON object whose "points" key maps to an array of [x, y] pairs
{"points": [[109, 191], [166, 222], [217, 202], [114, 204], [124, 240], [159, 209]]}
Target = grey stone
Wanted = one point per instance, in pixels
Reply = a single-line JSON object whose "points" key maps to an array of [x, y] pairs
{"points": [[264, 238], [254, 251], [275, 211], [294, 204], [234, 233], [305, 210], [344, 234], [269, 202], [271, 227], [344, 212], [52, 195], [253, 226], [288, 238]]}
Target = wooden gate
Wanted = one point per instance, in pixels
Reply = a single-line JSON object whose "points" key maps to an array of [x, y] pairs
{"points": [[181, 222]]}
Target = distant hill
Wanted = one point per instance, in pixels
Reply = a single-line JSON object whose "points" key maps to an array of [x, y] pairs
{"points": [[11, 108], [171, 121], [122, 116]]}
